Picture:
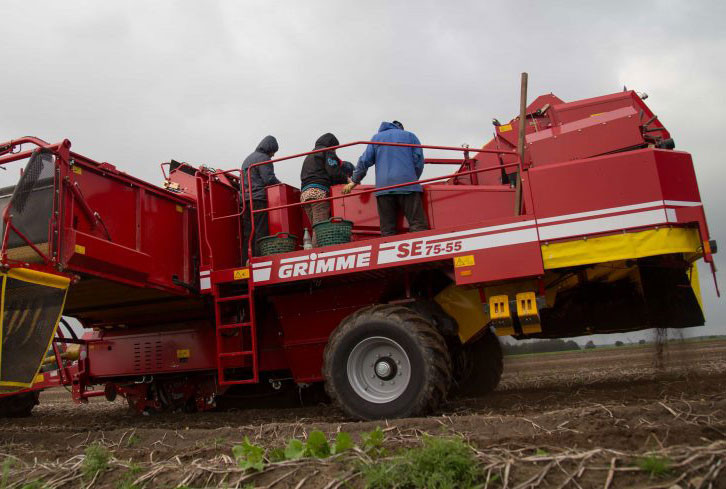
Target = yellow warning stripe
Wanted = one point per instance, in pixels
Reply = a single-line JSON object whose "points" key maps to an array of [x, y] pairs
{"points": [[4, 383], [39, 278], [620, 247], [2, 316]]}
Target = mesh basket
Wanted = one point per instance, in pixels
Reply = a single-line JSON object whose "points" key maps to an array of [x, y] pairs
{"points": [[335, 230], [277, 243]]}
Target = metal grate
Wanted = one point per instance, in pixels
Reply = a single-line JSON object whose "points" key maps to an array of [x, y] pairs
{"points": [[148, 356]]}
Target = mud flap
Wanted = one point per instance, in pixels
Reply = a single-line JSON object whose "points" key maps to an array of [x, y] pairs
{"points": [[30, 308]]}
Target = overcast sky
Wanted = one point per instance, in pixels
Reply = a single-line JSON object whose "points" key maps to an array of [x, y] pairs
{"points": [[139, 83]]}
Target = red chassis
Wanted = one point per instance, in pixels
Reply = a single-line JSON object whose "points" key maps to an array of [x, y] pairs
{"points": [[178, 319]]}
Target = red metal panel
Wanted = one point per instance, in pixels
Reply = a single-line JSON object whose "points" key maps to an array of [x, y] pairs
{"points": [[676, 175], [124, 353], [121, 242], [596, 135], [502, 263], [595, 184], [288, 220], [308, 319], [459, 205]]}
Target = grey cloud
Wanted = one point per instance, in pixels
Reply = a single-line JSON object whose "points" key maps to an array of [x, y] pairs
{"points": [[137, 83]]}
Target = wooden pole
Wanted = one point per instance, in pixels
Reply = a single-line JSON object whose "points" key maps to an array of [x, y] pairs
{"points": [[520, 145]]}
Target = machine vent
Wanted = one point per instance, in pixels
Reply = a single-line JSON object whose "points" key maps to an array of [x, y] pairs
{"points": [[148, 356]]}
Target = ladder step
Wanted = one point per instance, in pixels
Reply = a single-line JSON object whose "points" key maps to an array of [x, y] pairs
{"points": [[233, 298], [251, 380], [233, 354], [233, 326]]}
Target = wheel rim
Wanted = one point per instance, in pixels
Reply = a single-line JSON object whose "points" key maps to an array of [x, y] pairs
{"points": [[378, 369]]}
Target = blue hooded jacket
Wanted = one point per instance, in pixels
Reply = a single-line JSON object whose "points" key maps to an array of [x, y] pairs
{"points": [[394, 164]]}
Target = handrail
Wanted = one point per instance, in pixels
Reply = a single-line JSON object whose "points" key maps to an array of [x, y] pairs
{"points": [[378, 189], [8, 146], [465, 150], [242, 199]]}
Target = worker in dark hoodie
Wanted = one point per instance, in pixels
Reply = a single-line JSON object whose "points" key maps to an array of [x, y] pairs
{"points": [[260, 177], [394, 165], [319, 172]]}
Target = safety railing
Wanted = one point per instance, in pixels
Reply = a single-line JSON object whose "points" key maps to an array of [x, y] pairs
{"points": [[467, 160], [9, 155]]}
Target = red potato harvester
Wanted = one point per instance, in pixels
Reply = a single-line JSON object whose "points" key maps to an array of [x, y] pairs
{"points": [[583, 220]]}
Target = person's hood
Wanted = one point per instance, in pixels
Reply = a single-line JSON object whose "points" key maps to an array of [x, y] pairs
{"points": [[268, 145], [326, 140], [385, 126]]}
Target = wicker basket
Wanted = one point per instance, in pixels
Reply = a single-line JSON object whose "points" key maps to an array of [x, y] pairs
{"points": [[277, 243], [335, 230]]}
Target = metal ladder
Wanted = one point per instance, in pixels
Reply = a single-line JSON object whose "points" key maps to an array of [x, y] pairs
{"points": [[234, 350]]}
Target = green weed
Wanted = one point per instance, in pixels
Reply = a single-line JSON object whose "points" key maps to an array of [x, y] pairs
{"points": [[7, 464], [317, 446], [373, 442], [249, 456], [96, 460], [132, 440], [655, 466], [36, 484], [127, 481], [440, 463]]}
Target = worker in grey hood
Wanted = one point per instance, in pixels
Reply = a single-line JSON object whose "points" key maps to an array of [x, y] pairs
{"points": [[260, 177]]}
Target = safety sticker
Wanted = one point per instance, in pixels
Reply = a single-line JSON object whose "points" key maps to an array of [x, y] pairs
{"points": [[80, 249], [183, 354], [464, 261], [242, 274], [505, 128], [77, 170]]}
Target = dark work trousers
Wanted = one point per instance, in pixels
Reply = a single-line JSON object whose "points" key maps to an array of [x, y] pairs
{"points": [[262, 227], [410, 204]]}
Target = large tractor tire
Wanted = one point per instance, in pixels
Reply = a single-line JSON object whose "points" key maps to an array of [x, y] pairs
{"points": [[19, 405], [478, 366], [386, 361]]}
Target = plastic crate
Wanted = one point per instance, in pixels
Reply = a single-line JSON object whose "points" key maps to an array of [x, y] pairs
{"points": [[335, 230], [277, 243]]}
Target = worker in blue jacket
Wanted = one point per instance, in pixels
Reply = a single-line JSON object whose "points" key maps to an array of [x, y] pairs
{"points": [[394, 165]]}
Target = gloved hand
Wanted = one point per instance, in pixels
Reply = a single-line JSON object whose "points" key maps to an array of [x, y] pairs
{"points": [[348, 188]]}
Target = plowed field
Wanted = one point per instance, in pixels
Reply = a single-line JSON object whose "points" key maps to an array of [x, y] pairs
{"points": [[599, 418]]}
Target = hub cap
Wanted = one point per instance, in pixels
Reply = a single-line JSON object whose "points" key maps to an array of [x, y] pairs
{"points": [[378, 369]]}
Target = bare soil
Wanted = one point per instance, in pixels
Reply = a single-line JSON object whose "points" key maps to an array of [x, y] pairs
{"points": [[583, 419]]}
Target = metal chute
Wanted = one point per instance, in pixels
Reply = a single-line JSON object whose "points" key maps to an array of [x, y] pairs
{"points": [[31, 306]]}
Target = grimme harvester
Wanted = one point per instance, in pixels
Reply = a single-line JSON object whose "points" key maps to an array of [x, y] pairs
{"points": [[593, 224]]}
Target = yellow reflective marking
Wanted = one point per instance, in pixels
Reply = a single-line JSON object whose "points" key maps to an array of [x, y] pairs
{"points": [[505, 128], [77, 170], [526, 304], [466, 273], [38, 379], [499, 307], [464, 261], [595, 115], [242, 274], [39, 278], [621, 247], [14, 384], [179, 208], [80, 249], [2, 316], [183, 354]]}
